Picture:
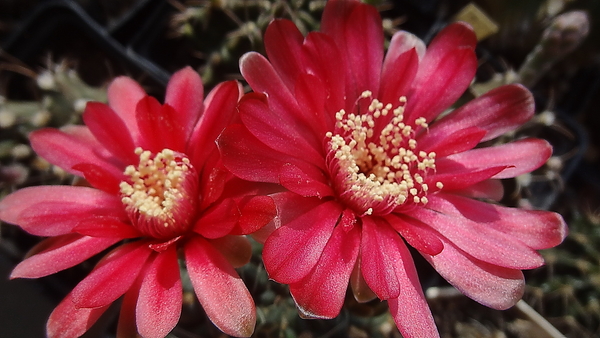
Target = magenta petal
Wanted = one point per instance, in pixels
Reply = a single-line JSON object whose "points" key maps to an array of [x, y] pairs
{"points": [[100, 178], [127, 326], [439, 83], [280, 128], [247, 157], [70, 146], [236, 249], [520, 157], [364, 49], [313, 100], [400, 66], [491, 285], [255, 212], [220, 290], [489, 189], [160, 298], [537, 229], [159, 127], [451, 142], [58, 253], [477, 239], [401, 43], [321, 293], [112, 277], [397, 77], [379, 258], [282, 118], [69, 321], [110, 130], [356, 29], [444, 73], [106, 226], [361, 291], [289, 207], [292, 251], [498, 111], [55, 210], [123, 96], [419, 235], [185, 94], [410, 310], [220, 111], [303, 183], [219, 220], [329, 67], [455, 176], [283, 44]]}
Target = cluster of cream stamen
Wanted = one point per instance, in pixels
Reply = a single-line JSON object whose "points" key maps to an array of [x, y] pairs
{"points": [[384, 170], [159, 189]]}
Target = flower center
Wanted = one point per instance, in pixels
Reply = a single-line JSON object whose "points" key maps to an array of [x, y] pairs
{"points": [[161, 193], [374, 158]]}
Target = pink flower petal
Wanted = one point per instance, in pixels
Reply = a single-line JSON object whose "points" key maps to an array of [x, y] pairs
{"points": [[213, 178], [159, 126], [291, 251], [379, 258], [55, 210], [452, 141], [255, 212], [160, 297], [100, 178], [185, 94], [279, 128], [400, 67], [477, 239], [361, 291], [126, 326], [306, 184], [455, 176], [520, 157], [419, 235], [123, 96], [247, 157], [280, 121], [220, 290], [283, 44], [69, 321], [313, 101], [70, 146], [220, 111], [58, 253], [537, 229], [112, 277], [356, 29], [106, 226], [397, 76], [401, 43], [289, 207], [444, 73], [489, 189], [498, 111], [110, 130], [410, 310], [236, 249], [491, 285], [322, 292], [219, 220], [330, 68]]}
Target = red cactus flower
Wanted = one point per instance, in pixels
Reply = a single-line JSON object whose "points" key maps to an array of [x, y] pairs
{"points": [[158, 192], [370, 165]]}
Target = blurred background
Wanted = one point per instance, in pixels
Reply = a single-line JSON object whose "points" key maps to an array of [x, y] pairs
{"points": [[57, 55]]}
